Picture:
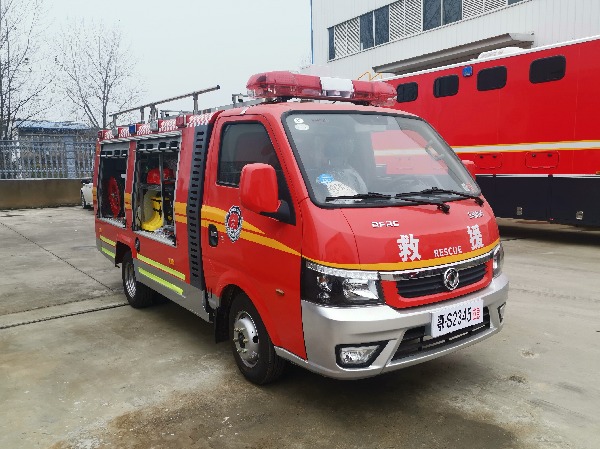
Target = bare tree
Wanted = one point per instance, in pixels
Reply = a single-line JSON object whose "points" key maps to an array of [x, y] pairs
{"points": [[22, 81], [97, 72]]}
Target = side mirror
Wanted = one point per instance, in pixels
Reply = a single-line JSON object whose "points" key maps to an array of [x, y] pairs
{"points": [[258, 188], [470, 165]]}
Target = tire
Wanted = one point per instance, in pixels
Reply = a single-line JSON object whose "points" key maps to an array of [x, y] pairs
{"points": [[251, 345], [84, 205], [138, 295]]}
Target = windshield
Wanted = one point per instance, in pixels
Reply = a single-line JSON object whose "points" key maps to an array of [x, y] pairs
{"points": [[375, 158]]}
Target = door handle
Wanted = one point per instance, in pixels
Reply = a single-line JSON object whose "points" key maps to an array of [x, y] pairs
{"points": [[213, 235]]}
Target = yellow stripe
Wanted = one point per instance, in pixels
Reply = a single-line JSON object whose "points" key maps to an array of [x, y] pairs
{"points": [[161, 281], [180, 219], [399, 266], [110, 253], [218, 216], [251, 237], [94, 189], [110, 242], [180, 208], [162, 267], [128, 206], [127, 197]]}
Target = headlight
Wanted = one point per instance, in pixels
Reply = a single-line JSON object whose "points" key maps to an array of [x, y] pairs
{"points": [[498, 260], [335, 287]]}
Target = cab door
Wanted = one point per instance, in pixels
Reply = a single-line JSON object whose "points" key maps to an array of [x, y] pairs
{"points": [[257, 253]]}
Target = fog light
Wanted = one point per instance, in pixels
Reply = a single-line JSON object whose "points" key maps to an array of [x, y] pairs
{"points": [[358, 356], [501, 312]]}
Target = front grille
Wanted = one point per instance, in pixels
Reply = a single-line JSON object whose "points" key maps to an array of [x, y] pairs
{"points": [[415, 340], [430, 285]]}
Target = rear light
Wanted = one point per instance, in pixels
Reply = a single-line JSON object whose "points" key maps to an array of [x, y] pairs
{"points": [[275, 85]]}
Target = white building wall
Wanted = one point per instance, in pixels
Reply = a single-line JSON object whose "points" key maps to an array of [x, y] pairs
{"points": [[550, 21]]}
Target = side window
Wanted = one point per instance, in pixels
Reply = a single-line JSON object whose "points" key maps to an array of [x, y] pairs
{"points": [[241, 144], [407, 92], [547, 69], [248, 143], [445, 86], [492, 78]]}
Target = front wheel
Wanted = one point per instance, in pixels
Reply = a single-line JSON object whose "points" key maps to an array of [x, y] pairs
{"points": [[138, 295], [83, 202], [251, 345]]}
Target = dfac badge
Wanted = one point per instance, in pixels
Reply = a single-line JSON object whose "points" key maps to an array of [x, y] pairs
{"points": [[233, 223]]}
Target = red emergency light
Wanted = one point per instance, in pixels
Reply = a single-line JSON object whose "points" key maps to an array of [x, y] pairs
{"points": [[293, 85]]}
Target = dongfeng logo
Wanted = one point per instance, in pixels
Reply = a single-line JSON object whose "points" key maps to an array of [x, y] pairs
{"points": [[451, 279], [233, 223]]}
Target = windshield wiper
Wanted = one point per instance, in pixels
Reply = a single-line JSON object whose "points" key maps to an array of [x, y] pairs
{"points": [[360, 196], [382, 196], [436, 190]]}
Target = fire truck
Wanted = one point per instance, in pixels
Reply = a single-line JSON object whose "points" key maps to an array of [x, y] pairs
{"points": [[317, 227], [528, 120]]}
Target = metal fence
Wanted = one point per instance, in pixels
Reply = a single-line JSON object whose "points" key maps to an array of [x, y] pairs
{"points": [[47, 157]]}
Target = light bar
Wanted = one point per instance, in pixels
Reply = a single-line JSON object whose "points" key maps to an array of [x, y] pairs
{"points": [[277, 85]]}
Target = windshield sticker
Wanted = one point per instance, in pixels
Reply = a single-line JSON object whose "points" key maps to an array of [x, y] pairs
{"points": [[298, 120], [409, 248], [325, 178], [233, 223], [302, 127], [450, 251], [468, 187], [475, 237]]}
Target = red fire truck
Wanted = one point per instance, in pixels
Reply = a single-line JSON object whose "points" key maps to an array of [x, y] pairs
{"points": [[346, 238], [528, 119]]}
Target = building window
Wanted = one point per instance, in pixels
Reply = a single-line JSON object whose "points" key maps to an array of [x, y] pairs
{"points": [[440, 12], [375, 28], [445, 86], [366, 31], [407, 92], [382, 25], [512, 2], [547, 69], [331, 44], [492, 78]]}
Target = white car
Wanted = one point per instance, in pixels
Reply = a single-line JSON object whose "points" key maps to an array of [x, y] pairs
{"points": [[86, 193]]}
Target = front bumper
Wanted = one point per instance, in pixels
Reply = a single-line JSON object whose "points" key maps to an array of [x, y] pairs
{"points": [[327, 327]]}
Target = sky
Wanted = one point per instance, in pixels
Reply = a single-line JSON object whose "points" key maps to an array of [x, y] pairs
{"points": [[187, 45]]}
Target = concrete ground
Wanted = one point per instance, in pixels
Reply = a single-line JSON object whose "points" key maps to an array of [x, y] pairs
{"points": [[79, 369]]}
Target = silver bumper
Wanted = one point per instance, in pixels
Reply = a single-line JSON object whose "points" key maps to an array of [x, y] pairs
{"points": [[327, 327]]}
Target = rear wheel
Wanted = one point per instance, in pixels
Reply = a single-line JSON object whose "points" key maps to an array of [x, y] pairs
{"points": [[251, 345], [83, 202], [138, 295]]}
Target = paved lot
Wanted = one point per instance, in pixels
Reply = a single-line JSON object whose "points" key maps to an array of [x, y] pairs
{"points": [[78, 369]]}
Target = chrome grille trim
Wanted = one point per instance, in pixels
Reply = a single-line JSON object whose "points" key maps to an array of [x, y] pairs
{"points": [[435, 271]]}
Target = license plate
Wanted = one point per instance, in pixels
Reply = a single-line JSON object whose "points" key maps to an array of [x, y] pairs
{"points": [[459, 316]]}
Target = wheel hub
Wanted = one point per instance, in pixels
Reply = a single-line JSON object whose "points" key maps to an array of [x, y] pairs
{"points": [[130, 279], [245, 338]]}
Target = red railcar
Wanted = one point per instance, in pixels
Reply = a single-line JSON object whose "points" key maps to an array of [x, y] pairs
{"points": [[529, 120]]}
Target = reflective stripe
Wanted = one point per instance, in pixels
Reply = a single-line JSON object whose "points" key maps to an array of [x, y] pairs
{"points": [[399, 266], [110, 253], [161, 281], [180, 208], [217, 215], [110, 242], [542, 146], [180, 219], [162, 267]]}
